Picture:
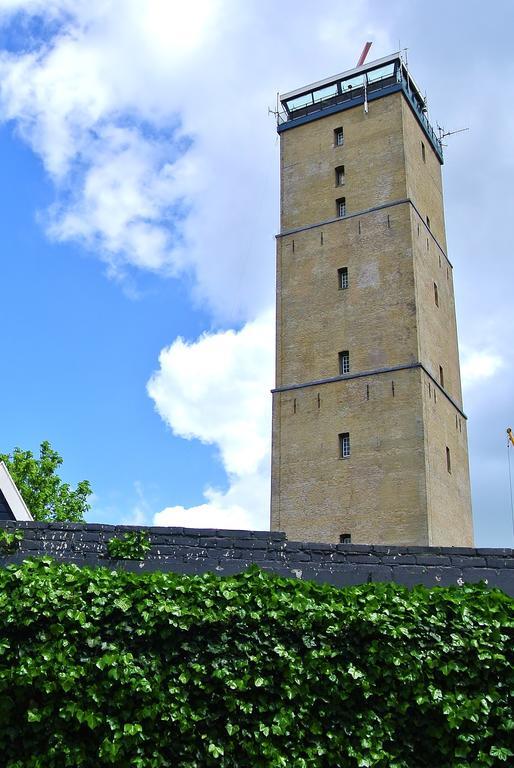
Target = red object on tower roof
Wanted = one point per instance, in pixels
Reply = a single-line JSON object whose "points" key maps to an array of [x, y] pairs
{"points": [[362, 57]]}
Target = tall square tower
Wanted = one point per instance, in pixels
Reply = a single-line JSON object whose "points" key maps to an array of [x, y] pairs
{"points": [[369, 435]]}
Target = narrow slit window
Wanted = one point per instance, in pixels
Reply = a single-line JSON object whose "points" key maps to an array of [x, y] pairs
{"points": [[436, 295], [340, 176], [338, 137], [428, 222], [345, 538], [423, 152], [344, 445], [341, 207], [342, 278], [448, 460], [441, 376], [344, 362]]}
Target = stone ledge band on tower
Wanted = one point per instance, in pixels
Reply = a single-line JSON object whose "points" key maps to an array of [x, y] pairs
{"points": [[406, 200], [374, 372]]}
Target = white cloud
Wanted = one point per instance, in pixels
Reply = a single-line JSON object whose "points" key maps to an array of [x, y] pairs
{"points": [[151, 119], [245, 506], [479, 365], [103, 101], [98, 102], [217, 390]]}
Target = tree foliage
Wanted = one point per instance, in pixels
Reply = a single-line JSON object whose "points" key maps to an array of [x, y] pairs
{"points": [[45, 494], [151, 670]]}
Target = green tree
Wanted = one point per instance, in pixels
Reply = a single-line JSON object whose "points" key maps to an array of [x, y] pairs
{"points": [[45, 494]]}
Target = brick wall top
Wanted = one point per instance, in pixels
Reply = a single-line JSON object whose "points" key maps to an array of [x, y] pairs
{"points": [[225, 552]]}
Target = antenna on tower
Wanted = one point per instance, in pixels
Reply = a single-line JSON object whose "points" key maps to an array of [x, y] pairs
{"points": [[403, 54], [443, 133], [362, 59], [276, 111], [365, 51]]}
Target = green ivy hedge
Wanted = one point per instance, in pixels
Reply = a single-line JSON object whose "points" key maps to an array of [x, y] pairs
{"points": [[108, 668]]}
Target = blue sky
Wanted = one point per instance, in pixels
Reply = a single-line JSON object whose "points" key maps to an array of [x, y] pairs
{"points": [[139, 192], [77, 354]]}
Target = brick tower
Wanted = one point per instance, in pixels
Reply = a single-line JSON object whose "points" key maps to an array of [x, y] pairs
{"points": [[369, 436]]}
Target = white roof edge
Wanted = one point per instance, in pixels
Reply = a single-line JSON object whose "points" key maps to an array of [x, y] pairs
{"points": [[334, 78], [12, 495]]}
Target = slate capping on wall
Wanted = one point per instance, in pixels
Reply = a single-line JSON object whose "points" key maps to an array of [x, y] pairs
{"points": [[225, 552]]}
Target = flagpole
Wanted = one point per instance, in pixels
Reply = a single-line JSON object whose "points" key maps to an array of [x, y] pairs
{"points": [[509, 442]]}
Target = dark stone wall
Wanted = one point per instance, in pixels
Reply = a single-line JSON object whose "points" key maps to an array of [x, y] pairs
{"points": [[225, 552]]}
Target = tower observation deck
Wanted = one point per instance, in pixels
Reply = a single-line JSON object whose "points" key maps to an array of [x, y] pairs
{"points": [[356, 86], [369, 433]]}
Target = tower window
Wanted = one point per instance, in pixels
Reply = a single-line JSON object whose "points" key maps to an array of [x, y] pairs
{"points": [[344, 362], [345, 538], [342, 278], [436, 295], [448, 460], [423, 153], [339, 175], [428, 222], [441, 375], [344, 445], [338, 137], [341, 207]]}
